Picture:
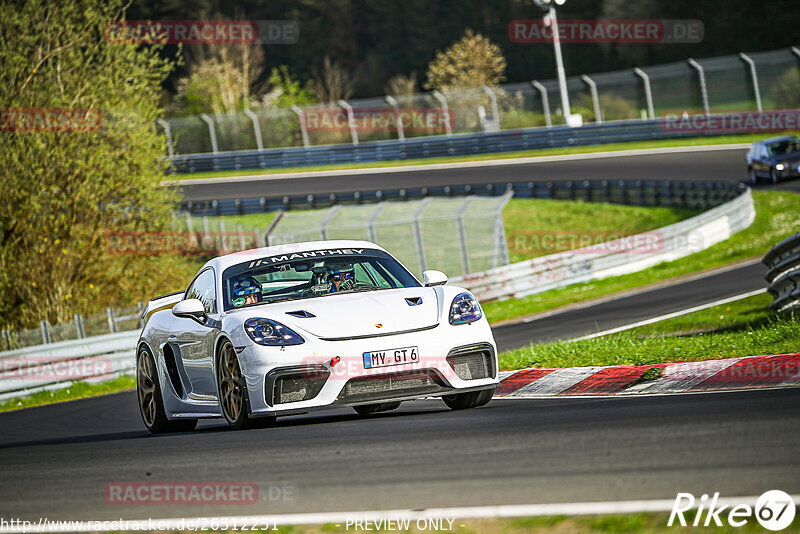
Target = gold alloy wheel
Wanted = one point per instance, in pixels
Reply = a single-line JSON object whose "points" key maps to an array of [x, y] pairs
{"points": [[230, 383], [146, 388]]}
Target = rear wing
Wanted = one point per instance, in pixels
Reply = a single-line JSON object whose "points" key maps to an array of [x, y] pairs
{"points": [[161, 303]]}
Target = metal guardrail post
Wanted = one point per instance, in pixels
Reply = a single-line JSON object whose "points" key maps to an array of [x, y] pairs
{"points": [[495, 112], [79, 326], [648, 93], [393, 102], [301, 115], [753, 77], [795, 51], [443, 101], [418, 233], [45, 327], [703, 91], [462, 238], [598, 117], [545, 102], [212, 132], [351, 121], [256, 128], [168, 132], [112, 321]]}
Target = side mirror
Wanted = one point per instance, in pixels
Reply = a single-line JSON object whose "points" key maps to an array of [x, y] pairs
{"points": [[190, 309], [434, 278]]}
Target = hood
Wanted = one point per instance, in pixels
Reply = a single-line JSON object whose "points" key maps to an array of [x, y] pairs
{"points": [[356, 314]]}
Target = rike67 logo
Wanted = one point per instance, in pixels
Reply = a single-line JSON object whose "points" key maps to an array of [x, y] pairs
{"points": [[774, 510]]}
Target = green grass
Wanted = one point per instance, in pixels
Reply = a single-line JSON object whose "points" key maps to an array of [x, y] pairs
{"points": [[777, 217], [743, 328], [78, 390], [635, 145]]}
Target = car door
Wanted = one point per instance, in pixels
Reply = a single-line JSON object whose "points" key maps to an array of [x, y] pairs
{"points": [[195, 341], [760, 164]]}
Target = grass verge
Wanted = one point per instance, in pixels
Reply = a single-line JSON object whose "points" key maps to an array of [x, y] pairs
{"points": [[634, 145], [777, 217], [77, 390], [743, 328]]}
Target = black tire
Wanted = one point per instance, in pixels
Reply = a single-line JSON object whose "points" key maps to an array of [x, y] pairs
{"points": [[151, 403], [233, 399], [753, 177], [464, 401], [774, 175], [366, 409]]}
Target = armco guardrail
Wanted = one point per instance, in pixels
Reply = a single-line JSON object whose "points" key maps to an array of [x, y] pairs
{"points": [[783, 261], [615, 257], [31, 369], [633, 192], [434, 146]]}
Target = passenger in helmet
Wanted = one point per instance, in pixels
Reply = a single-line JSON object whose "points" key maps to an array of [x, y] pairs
{"points": [[246, 290], [342, 279]]}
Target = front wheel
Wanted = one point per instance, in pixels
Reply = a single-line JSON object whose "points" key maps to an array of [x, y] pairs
{"points": [[151, 404], [232, 391], [774, 175], [473, 399], [753, 177]]}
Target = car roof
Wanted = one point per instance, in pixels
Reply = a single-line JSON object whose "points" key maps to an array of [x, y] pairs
{"points": [[223, 262], [777, 139]]}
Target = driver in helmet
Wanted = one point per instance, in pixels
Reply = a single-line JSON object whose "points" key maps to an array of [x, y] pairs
{"points": [[342, 279], [246, 290]]}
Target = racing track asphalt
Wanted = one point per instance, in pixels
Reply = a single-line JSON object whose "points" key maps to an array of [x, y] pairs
{"points": [[711, 165], [58, 459]]}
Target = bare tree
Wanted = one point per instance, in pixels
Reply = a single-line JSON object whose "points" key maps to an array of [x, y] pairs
{"points": [[332, 83]]}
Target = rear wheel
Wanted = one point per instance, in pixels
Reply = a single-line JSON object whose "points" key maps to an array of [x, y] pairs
{"points": [[366, 409], [151, 404], [473, 399]]}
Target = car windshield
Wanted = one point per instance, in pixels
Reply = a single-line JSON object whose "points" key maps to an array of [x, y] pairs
{"points": [[781, 148], [310, 274]]}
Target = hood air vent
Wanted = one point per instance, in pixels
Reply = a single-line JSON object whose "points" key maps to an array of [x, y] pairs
{"points": [[413, 301], [303, 314]]}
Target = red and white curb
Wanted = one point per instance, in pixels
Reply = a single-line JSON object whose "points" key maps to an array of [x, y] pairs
{"points": [[710, 375]]}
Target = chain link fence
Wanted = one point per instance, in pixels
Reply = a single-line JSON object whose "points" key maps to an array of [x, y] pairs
{"points": [[114, 320], [743, 82]]}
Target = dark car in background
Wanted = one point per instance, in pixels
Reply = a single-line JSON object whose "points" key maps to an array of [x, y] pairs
{"points": [[776, 159]]}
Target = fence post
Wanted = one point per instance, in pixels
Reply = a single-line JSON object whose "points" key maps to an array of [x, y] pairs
{"points": [[495, 112], [795, 51], [418, 233], [211, 131], [301, 115], [256, 128], [272, 224], [500, 256], [323, 227], [598, 117], [207, 240], [79, 326], [240, 232], [45, 326], [351, 121], [168, 132], [545, 102], [648, 93], [462, 239], [112, 320], [223, 237], [6, 338], [258, 236], [443, 101], [371, 222], [703, 92], [754, 77], [392, 102]]}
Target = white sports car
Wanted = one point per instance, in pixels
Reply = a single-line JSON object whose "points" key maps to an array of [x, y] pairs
{"points": [[288, 329]]}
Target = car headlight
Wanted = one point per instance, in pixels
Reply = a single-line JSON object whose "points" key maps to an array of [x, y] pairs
{"points": [[780, 166], [464, 309], [269, 332]]}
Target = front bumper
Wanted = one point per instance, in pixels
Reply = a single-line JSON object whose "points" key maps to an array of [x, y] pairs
{"points": [[299, 379]]}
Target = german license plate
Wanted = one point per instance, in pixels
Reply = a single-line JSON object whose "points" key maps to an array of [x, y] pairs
{"points": [[387, 358]]}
